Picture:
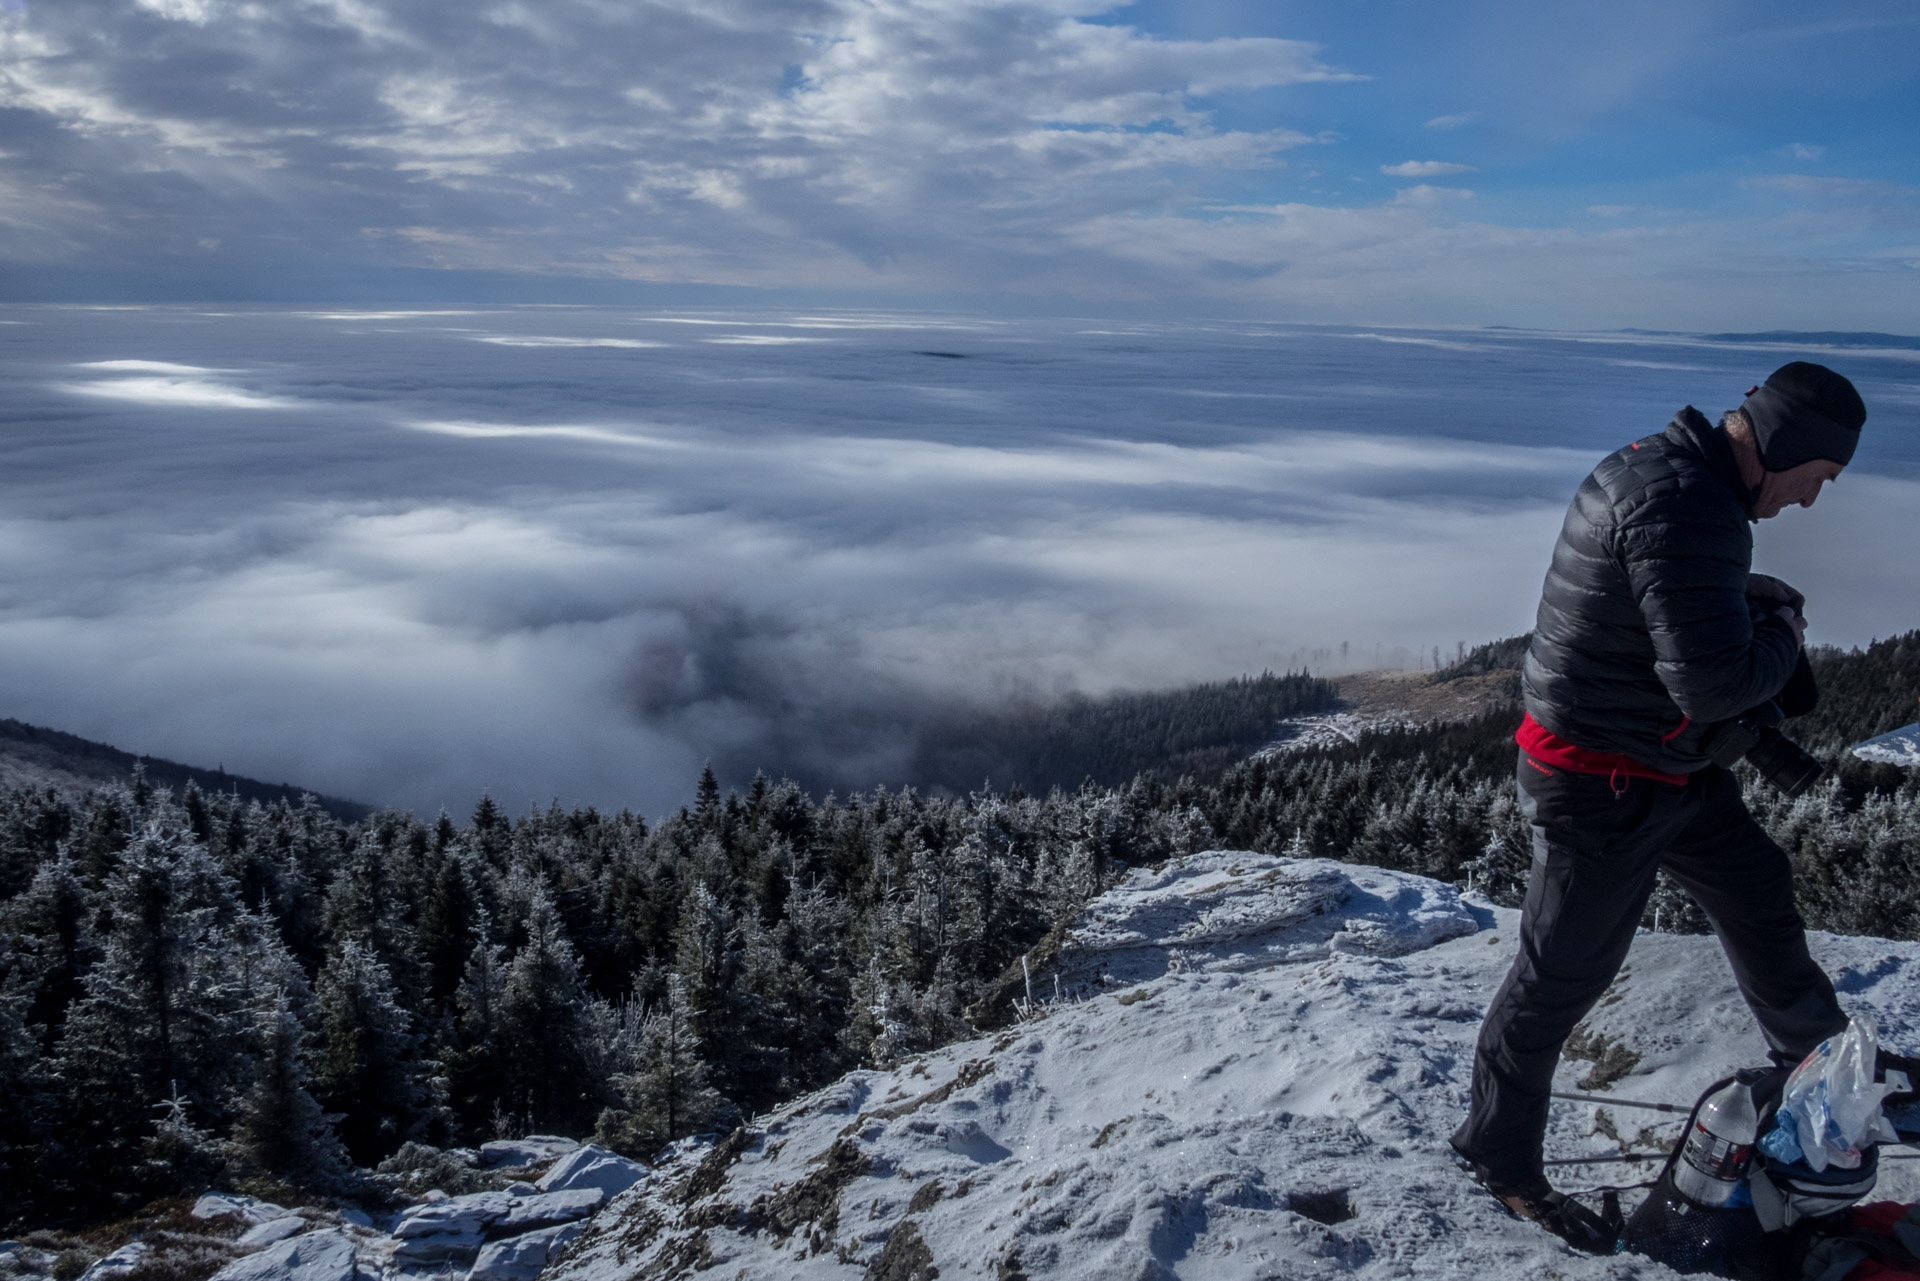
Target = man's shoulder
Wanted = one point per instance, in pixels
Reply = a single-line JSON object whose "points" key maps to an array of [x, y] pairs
{"points": [[1655, 473]]}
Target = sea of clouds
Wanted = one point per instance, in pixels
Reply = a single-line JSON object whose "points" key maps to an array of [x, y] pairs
{"points": [[574, 552]]}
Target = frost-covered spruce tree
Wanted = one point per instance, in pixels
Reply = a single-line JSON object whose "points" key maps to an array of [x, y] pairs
{"points": [[364, 904], [367, 1067], [449, 911], [279, 1130], [1506, 859], [160, 1016], [34, 825], [23, 1086], [813, 941], [707, 959], [180, 1156], [50, 926], [108, 830], [666, 1096], [473, 1048], [540, 1006], [299, 849]]}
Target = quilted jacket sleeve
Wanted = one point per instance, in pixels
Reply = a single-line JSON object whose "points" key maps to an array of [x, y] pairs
{"points": [[1688, 573]]}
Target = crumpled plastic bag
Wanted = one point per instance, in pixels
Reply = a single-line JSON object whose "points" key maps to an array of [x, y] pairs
{"points": [[1831, 1107]]}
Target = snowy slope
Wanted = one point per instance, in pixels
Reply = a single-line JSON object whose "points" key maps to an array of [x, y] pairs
{"points": [[1901, 747], [1261, 1087]]}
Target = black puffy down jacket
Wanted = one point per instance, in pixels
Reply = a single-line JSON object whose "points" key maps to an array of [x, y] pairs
{"points": [[1644, 637]]}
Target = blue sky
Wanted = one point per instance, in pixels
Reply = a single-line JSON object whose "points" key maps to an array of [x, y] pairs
{"points": [[1685, 165]]}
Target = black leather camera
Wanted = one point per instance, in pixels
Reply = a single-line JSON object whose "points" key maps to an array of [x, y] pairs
{"points": [[1754, 736]]}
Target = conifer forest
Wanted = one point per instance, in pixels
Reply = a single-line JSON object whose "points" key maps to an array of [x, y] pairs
{"points": [[197, 986]]}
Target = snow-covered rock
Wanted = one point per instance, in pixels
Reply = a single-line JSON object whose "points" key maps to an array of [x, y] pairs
{"points": [[212, 1205], [532, 1150], [454, 1216], [1229, 910], [438, 1252], [1901, 747], [522, 1258], [117, 1264], [1271, 1110], [483, 1229], [326, 1255], [592, 1167], [263, 1234], [544, 1209]]}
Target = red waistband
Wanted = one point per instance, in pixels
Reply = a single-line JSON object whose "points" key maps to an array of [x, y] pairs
{"points": [[1548, 748]]}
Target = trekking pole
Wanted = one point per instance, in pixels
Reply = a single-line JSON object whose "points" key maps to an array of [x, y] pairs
{"points": [[1624, 1103], [1606, 1160]]}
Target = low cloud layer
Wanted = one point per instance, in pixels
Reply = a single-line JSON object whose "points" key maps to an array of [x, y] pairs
{"points": [[408, 556]]}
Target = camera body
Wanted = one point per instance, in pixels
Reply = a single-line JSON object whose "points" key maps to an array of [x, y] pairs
{"points": [[1754, 736]]}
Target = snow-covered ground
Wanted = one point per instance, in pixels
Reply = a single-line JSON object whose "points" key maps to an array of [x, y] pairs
{"points": [[1299, 734], [1260, 1087], [1901, 747]]}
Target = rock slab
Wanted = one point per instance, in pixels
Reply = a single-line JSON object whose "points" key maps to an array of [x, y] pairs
{"points": [[264, 1234], [535, 1148], [593, 1167], [312, 1256], [212, 1205], [521, 1258]]}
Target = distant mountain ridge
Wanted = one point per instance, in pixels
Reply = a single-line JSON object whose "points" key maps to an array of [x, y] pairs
{"points": [[34, 756], [1810, 337]]}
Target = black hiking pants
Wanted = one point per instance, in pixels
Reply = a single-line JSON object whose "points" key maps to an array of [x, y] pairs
{"points": [[1597, 844]]}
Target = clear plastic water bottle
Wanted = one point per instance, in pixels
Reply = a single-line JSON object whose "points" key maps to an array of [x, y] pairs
{"points": [[1712, 1169]]}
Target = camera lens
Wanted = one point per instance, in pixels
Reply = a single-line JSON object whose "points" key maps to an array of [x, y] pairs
{"points": [[1784, 763]]}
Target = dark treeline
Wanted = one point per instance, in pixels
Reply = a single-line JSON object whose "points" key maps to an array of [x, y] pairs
{"points": [[1196, 732], [197, 986]]}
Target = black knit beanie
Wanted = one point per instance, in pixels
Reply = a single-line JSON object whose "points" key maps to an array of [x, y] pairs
{"points": [[1803, 412]]}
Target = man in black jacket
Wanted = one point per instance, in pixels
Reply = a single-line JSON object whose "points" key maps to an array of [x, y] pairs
{"points": [[1651, 630]]}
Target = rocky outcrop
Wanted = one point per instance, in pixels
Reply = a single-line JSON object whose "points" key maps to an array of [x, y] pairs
{"points": [[502, 1234]]}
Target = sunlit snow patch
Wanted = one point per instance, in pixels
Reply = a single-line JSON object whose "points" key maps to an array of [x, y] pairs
{"points": [[1902, 747], [1233, 910], [1225, 1123]]}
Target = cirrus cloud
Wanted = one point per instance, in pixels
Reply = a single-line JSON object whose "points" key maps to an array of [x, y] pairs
{"points": [[1425, 169]]}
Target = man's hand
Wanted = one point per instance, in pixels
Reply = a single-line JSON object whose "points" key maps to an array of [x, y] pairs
{"points": [[1791, 617], [1770, 590]]}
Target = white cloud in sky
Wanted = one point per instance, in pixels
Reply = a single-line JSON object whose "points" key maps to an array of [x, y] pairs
{"points": [[1804, 151], [1425, 169], [896, 147]]}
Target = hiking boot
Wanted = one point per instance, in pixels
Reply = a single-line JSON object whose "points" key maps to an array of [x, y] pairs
{"points": [[1536, 1201]]}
